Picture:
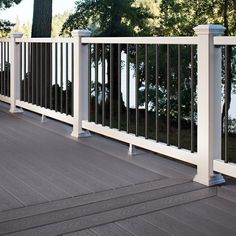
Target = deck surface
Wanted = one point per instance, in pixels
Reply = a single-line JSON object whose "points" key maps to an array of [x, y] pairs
{"points": [[51, 185]]}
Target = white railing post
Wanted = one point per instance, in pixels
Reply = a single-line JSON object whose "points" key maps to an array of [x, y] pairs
{"points": [[209, 104], [15, 72], [80, 83]]}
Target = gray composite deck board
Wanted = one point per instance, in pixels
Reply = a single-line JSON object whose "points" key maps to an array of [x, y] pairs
{"points": [[7, 201], [198, 222], [42, 169], [170, 224], [58, 147], [53, 185], [222, 204], [117, 214], [166, 167], [83, 233], [213, 215], [227, 192], [19, 190], [139, 227], [94, 208], [87, 199], [35, 181], [110, 230]]}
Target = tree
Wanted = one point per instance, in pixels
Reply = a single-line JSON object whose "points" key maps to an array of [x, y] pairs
{"points": [[42, 26], [109, 18], [42, 18], [57, 23], [6, 25]]}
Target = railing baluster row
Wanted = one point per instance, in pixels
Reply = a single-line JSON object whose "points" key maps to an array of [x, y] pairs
{"points": [[46, 71], [5, 69], [139, 71]]}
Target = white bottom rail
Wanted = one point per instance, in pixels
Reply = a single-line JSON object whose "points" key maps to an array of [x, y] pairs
{"points": [[161, 148], [5, 99], [225, 168], [46, 112]]}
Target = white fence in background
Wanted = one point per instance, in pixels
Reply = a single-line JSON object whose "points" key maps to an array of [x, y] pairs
{"points": [[208, 39]]}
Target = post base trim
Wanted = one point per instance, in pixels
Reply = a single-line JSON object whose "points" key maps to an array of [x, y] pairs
{"points": [[16, 110], [83, 134], [216, 179]]}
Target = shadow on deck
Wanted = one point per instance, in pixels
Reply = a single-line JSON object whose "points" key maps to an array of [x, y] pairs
{"points": [[51, 184]]}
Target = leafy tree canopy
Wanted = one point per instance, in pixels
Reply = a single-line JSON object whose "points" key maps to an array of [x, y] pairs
{"points": [[109, 18], [6, 25], [179, 17]]}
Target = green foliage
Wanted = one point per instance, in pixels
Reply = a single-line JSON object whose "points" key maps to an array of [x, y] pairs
{"points": [[57, 23], [6, 25], [109, 18], [179, 17]]}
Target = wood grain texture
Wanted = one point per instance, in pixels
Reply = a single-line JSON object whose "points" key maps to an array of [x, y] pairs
{"points": [[110, 230], [139, 227], [94, 208], [199, 223], [7, 201], [170, 224], [117, 214], [81, 233], [86, 199]]}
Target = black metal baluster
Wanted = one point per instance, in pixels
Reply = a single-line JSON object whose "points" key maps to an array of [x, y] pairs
{"points": [[96, 83], [67, 78], [226, 122], [4, 80], [1, 76], [168, 95], [62, 77], [56, 75], [127, 91], [179, 96], [146, 91], [137, 92], [24, 73], [72, 82], [37, 73], [41, 74], [119, 88], [8, 74], [29, 100], [46, 72], [192, 100], [103, 85], [89, 83], [157, 92], [21, 73], [111, 85]]}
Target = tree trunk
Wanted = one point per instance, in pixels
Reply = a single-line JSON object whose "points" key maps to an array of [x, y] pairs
{"points": [[42, 19], [41, 53]]}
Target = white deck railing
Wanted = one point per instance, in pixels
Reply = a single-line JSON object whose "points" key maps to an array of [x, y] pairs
{"points": [[208, 155]]}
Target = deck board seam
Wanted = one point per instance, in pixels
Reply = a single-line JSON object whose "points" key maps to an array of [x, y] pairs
{"points": [[92, 202], [112, 209], [124, 217]]}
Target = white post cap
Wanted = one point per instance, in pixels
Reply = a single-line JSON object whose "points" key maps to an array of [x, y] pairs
{"points": [[209, 29], [16, 35], [81, 33]]}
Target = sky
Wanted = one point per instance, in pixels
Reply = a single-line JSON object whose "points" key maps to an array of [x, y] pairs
{"points": [[24, 10]]}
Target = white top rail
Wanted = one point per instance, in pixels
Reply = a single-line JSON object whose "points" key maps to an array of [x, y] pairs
{"points": [[45, 40], [224, 40], [141, 40]]}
